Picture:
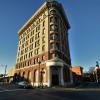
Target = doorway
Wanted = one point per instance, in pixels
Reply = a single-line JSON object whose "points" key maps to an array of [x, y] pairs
{"points": [[55, 76]]}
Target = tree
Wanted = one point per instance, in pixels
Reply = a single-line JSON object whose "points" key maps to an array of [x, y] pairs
{"points": [[1, 75]]}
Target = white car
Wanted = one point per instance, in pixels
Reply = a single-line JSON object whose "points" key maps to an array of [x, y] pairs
{"points": [[24, 84]]}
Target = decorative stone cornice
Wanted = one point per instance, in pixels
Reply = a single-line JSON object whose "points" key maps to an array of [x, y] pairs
{"points": [[34, 17]]}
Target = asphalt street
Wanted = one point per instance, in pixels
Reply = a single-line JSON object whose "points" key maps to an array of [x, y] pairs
{"points": [[14, 93]]}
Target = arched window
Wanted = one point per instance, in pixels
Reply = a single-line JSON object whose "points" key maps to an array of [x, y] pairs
{"points": [[23, 75], [43, 75], [29, 76], [53, 12], [36, 76]]}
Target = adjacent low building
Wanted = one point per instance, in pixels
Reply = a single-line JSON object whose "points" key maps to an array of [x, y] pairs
{"points": [[77, 74], [10, 74], [43, 54]]}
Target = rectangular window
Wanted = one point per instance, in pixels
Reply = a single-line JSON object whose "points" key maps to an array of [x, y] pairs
{"points": [[43, 58], [38, 27], [51, 19], [38, 59], [43, 31], [43, 23], [43, 39], [43, 48], [38, 34]]}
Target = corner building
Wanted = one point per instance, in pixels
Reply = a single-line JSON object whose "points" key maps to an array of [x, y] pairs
{"points": [[43, 55]]}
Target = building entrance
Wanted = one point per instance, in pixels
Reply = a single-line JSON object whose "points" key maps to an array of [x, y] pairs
{"points": [[55, 76]]}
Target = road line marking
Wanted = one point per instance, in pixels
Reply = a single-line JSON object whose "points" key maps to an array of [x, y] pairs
{"points": [[11, 90]]}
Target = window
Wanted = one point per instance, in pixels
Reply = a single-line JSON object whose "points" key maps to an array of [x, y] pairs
{"points": [[31, 39], [36, 76], [20, 42], [26, 50], [29, 55], [26, 43], [43, 31], [38, 34], [52, 12], [43, 48], [29, 76], [43, 78], [32, 33], [35, 60], [25, 63], [44, 15], [51, 46], [43, 23], [26, 56], [38, 28], [56, 19], [51, 19], [23, 75], [51, 36], [43, 39], [28, 35], [38, 59], [43, 58], [37, 51], [35, 44], [38, 42], [28, 63]]}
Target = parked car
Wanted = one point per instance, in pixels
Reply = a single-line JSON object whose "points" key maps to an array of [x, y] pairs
{"points": [[24, 84]]}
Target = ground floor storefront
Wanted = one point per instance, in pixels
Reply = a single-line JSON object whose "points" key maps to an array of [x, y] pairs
{"points": [[50, 73]]}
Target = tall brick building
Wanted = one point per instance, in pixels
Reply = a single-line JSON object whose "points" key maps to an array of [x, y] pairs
{"points": [[43, 50]]}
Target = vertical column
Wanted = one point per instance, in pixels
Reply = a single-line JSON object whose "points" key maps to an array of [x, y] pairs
{"points": [[49, 76], [71, 76], [62, 78]]}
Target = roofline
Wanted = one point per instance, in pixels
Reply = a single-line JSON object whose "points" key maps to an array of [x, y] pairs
{"points": [[43, 5]]}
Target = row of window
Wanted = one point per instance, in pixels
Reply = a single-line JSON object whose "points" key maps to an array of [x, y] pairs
{"points": [[30, 54], [38, 22], [37, 35], [31, 62], [37, 43], [30, 30]]}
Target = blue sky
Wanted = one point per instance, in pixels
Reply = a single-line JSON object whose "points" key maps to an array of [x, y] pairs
{"points": [[83, 16]]}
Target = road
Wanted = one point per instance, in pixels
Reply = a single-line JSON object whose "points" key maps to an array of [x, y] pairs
{"points": [[14, 93]]}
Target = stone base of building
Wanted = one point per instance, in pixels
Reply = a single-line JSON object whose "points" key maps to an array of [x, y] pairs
{"points": [[53, 72]]}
